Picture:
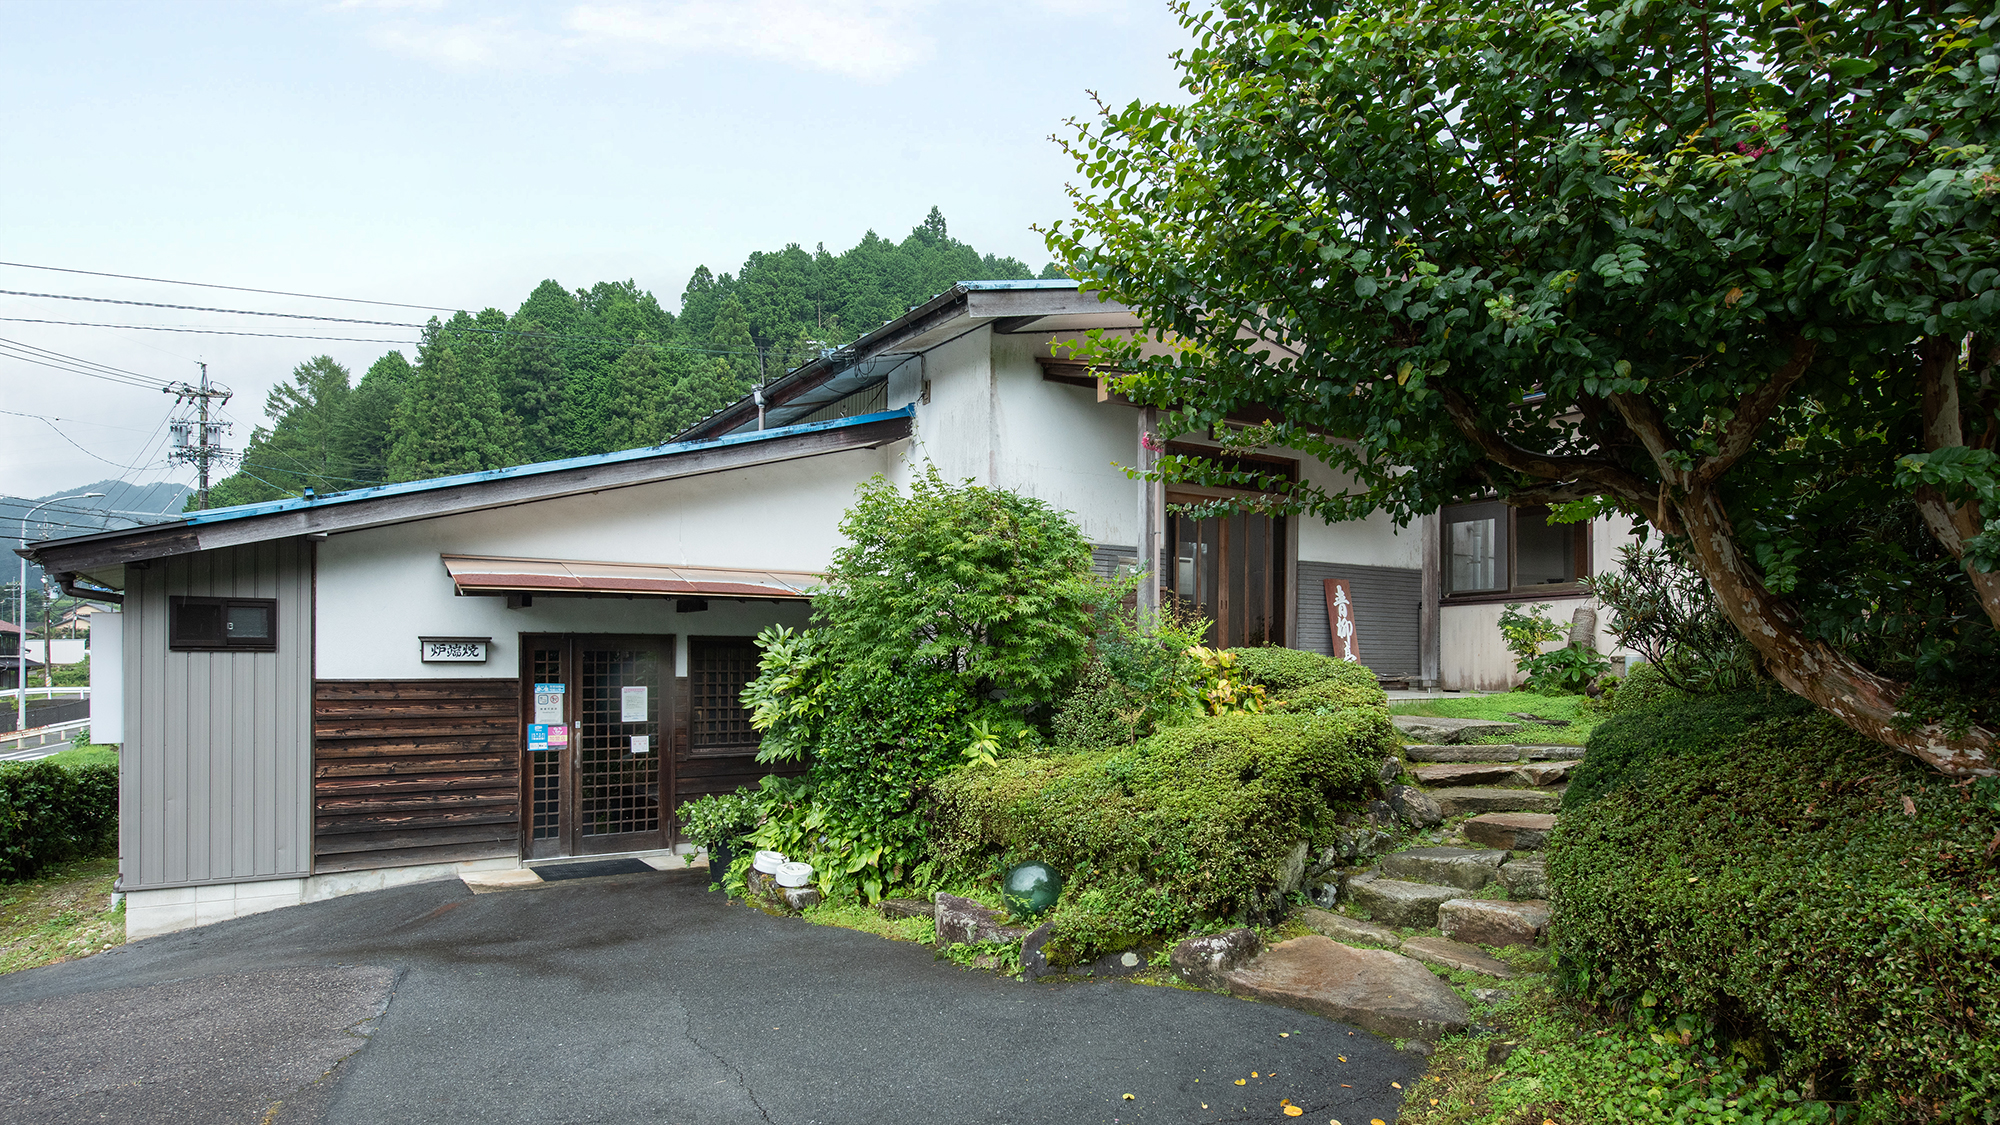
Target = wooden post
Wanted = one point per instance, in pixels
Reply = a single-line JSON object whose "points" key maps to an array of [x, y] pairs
{"points": [[1429, 615], [1152, 525]]}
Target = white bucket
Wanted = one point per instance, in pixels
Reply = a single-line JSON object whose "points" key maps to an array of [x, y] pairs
{"points": [[794, 874], [768, 862]]}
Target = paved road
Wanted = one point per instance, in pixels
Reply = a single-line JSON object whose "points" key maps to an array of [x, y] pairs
{"points": [[637, 998]]}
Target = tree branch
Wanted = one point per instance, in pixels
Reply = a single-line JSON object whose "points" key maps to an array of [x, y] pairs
{"points": [[1608, 476], [1754, 409]]}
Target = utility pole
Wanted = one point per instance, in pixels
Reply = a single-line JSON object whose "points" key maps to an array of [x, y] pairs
{"points": [[197, 440]]}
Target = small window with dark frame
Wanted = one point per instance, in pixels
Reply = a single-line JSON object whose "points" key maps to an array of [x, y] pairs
{"points": [[1491, 548], [718, 670], [222, 624]]}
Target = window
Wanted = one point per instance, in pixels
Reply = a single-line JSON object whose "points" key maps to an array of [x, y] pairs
{"points": [[718, 670], [222, 624], [1490, 548]]}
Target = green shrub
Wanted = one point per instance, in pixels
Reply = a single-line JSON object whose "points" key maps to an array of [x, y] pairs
{"points": [[50, 813], [1349, 685], [1625, 747], [1812, 892], [1284, 669], [719, 819], [1643, 687], [1190, 824], [1097, 713]]}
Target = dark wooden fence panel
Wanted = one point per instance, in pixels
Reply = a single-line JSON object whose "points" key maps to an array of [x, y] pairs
{"points": [[410, 772]]}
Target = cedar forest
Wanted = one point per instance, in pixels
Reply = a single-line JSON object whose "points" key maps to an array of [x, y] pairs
{"points": [[578, 372]]}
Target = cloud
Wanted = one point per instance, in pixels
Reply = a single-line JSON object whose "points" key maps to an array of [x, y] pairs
{"points": [[868, 40]]}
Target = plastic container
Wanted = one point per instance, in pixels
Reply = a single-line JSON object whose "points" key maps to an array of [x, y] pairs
{"points": [[768, 862], [794, 874]]}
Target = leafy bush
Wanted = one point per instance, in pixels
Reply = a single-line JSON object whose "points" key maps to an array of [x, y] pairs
{"points": [[1222, 687], [1625, 747], [1564, 671], [719, 818], [1524, 634], [1810, 891], [1642, 687], [1192, 823], [1283, 669], [50, 813], [1098, 712], [1664, 610]]}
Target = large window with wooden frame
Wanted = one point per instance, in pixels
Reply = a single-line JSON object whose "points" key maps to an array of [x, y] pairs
{"points": [[718, 670], [1492, 549], [1230, 568]]}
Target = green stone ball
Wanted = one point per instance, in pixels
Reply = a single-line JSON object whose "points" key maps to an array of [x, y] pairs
{"points": [[1029, 889]]}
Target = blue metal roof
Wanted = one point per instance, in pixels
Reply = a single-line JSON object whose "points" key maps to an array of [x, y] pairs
{"points": [[267, 507], [1053, 283]]}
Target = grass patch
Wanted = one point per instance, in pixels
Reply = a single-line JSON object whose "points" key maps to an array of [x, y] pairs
{"points": [[1546, 1060], [854, 916], [95, 754], [60, 916], [1581, 712]]}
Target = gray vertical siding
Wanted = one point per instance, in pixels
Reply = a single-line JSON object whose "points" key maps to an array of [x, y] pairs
{"points": [[1388, 611], [216, 775], [1105, 559]]}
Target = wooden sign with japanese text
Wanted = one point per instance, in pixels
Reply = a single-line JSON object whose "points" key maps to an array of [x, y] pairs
{"points": [[1340, 620]]}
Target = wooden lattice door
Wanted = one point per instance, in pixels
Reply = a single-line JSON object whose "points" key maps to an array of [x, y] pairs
{"points": [[594, 778]]}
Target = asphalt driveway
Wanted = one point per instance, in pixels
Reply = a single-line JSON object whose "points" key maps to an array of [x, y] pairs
{"points": [[636, 998]]}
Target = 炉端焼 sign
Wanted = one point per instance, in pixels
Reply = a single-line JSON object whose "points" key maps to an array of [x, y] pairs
{"points": [[454, 650]]}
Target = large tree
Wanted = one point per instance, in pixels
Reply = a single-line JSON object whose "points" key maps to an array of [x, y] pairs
{"points": [[1729, 267]]}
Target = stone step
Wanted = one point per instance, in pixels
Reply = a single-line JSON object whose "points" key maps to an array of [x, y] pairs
{"points": [[1507, 774], [1511, 831], [1436, 728], [1494, 752], [1395, 902], [1485, 922], [1547, 773], [1349, 931], [1525, 876], [1455, 955], [1458, 802], [1465, 868], [1382, 992]]}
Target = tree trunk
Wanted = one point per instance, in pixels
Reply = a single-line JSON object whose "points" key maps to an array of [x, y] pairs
{"points": [[1950, 524], [1812, 670]]}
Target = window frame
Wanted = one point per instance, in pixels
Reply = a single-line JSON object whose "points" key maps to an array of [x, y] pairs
{"points": [[1509, 560], [696, 649], [177, 641]]}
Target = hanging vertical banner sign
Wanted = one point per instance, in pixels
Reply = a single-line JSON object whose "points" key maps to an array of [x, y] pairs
{"points": [[632, 704], [549, 703], [1340, 619]]}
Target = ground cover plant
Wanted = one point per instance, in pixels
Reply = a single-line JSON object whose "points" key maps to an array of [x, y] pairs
{"points": [[1823, 905], [63, 914], [1581, 713]]}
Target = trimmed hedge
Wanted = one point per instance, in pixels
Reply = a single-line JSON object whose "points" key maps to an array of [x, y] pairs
{"points": [[1282, 669], [1625, 746], [50, 813], [1813, 892], [1193, 823]]}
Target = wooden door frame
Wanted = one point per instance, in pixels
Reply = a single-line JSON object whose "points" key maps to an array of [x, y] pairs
{"points": [[569, 838]]}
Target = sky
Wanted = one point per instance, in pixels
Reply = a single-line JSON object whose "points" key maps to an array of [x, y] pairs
{"points": [[455, 154]]}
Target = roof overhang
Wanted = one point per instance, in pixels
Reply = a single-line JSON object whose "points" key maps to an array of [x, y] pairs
{"points": [[471, 492], [1008, 307], [488, 574]]}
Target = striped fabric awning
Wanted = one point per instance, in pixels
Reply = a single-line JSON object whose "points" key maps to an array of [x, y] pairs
{"points": [[487, 574]]}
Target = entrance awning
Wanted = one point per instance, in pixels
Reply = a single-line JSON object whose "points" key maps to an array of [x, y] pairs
{"points": [[487, 574]]}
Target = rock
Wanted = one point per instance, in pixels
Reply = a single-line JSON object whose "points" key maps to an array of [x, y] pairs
{"points": [[1551, 753], [1035, 963], [1547, 773], [1489, 995], [1326, 895], [1381, 815], [1341, 928], [1126, 963], [1371, 842], [1465, 868], [1455, 955], [798, 898], [1493, 753], [1292, 871], [1484, 922], [1470, 773], [1396, 903], [1369, 988], [906, 908], [1525, 876], [1510, 831], [1389, 770], [1457, 802], [961, 920], [1437, 728], [1415, 806], [1497, 1053], [1537, 719], [1207, 961], [1583, 628]]}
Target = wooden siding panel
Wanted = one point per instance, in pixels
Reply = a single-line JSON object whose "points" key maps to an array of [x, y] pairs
{"points": [[412, 772], [1388, 608]]}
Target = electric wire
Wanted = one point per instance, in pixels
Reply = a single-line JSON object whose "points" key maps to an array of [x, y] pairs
{"points": [[205, 308], [231, 288], [495, 333]]}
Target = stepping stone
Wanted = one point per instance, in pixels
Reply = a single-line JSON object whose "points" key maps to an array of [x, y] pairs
{"points": [[963, 921], [1546, 773], [1456, 955], [1438, 728], [1510, 831], [1397, 903], [893, 908], [1370, 988], [486, 882], [1465, 868], [1551, 753], [1457, 802], [1525, 876], [1484, 922], [1473, 773], [1433, 753], [1341, 928]]}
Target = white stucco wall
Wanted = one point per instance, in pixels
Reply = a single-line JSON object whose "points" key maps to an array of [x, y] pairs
{"points": [[1472, 655], [379, 590], [1059, 444]]}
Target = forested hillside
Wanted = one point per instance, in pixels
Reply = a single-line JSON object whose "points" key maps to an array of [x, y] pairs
{"points": [[588, 370]]}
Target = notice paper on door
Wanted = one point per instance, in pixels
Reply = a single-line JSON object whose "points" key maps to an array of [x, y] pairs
{"points": [[538, 736], [549, 703], [632, 704], [642, 744], [559, 736]]}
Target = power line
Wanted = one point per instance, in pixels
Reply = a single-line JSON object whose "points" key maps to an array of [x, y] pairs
{"points": [[205, 308], [58, 361], [231, 288], [489, 332]]}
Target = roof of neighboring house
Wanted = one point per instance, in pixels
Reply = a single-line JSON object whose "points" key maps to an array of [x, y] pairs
{"points": [[9, 627], [465, 492], [1009, 307]]}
